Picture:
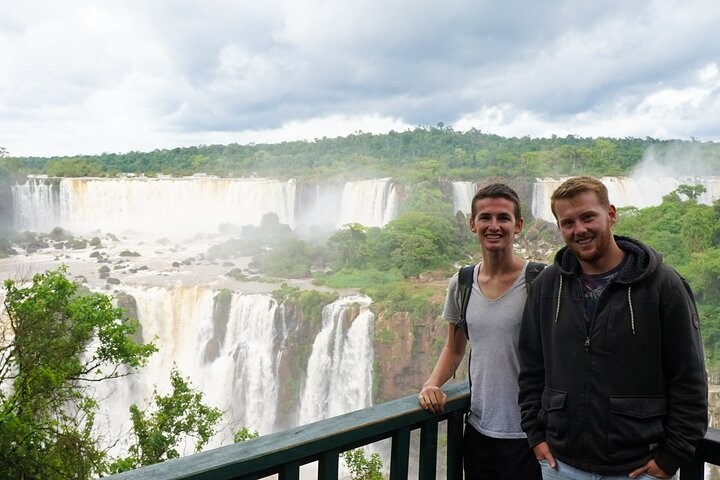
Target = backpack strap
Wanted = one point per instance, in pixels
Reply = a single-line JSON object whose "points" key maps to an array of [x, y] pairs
{"points": [[465, 282], [532, 271]]}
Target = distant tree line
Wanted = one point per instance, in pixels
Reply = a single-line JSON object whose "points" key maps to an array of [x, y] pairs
{"points": [[467, 154]]}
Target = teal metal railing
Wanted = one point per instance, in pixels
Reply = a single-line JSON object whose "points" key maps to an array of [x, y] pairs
{"points": [[283, 453]]}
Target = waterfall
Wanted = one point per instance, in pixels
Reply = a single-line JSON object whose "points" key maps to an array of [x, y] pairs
{"points": [[463, 193], [165, 206], [243, 378], [190, 205], [36, 205], [372, 203], [254, 374], [636, 191], [339, 377], [541, 193], [241, 381]]}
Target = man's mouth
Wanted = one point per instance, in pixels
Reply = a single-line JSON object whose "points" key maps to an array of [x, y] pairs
{"points": [[585, 241], [493, 237]]}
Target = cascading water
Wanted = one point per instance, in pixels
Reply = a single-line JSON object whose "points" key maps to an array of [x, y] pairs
{"points": [[372, 203], [241, 379], [167, 206], [36, 205], [463, 193], [339, 377], [640, 192], [185, 206], [241, 375]]}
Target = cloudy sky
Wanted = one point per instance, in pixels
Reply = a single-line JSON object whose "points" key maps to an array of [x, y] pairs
{"points": [[85, 77]]}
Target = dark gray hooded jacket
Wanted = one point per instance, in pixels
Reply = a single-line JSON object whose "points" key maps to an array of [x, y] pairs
{"points": [[630, 386]]}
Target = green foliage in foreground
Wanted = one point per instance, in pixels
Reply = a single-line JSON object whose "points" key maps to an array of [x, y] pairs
{"points": [[46, 416], [159, 430], [362, 467], [55, 340], [245, 434], [688, 236]]}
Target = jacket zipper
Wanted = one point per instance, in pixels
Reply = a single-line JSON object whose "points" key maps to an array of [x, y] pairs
{"points": [[586, 345]]}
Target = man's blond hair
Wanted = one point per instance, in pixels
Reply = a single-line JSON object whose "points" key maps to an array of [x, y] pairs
{"points": [[575, 186]]}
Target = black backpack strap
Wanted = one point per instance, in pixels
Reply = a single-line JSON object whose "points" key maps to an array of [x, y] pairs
{"points": [[466, 278], [532, 271]]}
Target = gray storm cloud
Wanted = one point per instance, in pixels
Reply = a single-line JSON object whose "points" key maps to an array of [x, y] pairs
{"points": [[96, 77]]}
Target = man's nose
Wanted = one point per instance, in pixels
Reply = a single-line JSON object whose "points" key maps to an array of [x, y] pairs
{"points": [[580, 229]]}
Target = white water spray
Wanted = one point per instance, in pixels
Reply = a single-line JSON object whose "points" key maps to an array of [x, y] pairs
{"points": [[339, 378]]}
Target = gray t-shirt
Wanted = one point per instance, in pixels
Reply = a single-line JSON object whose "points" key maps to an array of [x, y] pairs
{"points": [[493, 327]]}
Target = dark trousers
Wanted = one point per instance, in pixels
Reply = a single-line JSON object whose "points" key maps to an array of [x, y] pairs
{"points": [[487, 458]]}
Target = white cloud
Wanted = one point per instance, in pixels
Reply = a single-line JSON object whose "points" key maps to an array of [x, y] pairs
{"points": [[665, 113], [87, 77]]}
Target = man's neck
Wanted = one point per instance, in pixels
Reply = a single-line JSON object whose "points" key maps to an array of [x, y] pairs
{"points": [[498, 263], [607, 262]]}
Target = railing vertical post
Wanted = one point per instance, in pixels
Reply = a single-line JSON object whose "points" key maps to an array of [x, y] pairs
{"points": [[328, 468], [400, 454], [454, 446], [290, 471], [428, 449], [693, 470]]}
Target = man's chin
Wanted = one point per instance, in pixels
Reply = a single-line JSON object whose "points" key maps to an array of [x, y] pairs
{"points": [[585, 255]]}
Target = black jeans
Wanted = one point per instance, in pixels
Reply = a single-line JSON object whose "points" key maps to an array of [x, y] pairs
{"points": [[487, 458]]}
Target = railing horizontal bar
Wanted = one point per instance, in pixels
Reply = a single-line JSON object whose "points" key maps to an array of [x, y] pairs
{"points": [[264, 455], [709, 447], [284, 452]]}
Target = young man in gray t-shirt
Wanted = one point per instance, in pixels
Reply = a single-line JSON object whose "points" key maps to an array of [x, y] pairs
{"points": [[494, 445]]}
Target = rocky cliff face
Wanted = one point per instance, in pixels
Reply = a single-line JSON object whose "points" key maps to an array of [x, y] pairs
{"points": [[406, 348]]}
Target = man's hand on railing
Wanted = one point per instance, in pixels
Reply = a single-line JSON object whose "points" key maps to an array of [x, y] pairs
{"points": [[432, 398]]}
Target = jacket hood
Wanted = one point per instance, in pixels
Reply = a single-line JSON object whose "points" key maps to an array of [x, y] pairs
{"points": [[640, 261]]}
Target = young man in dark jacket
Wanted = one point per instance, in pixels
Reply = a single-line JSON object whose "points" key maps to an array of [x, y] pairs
{"points": [[612, 377]]}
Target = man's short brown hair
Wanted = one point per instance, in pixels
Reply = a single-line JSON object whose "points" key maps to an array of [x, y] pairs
{"points": [[497, 190], [575, 186]]}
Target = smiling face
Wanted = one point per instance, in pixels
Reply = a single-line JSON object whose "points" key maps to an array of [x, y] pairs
{"points": [[495, 224], [586, 226]]}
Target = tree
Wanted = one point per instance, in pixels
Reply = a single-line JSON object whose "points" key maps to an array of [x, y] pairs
{"points": [[55, 342], [348, 247], [361, 467], [159, 429], [245, 434], [416, 242], [692, 192]]}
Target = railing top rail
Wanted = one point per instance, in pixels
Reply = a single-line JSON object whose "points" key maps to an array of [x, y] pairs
{"points": [[301, 444]]}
